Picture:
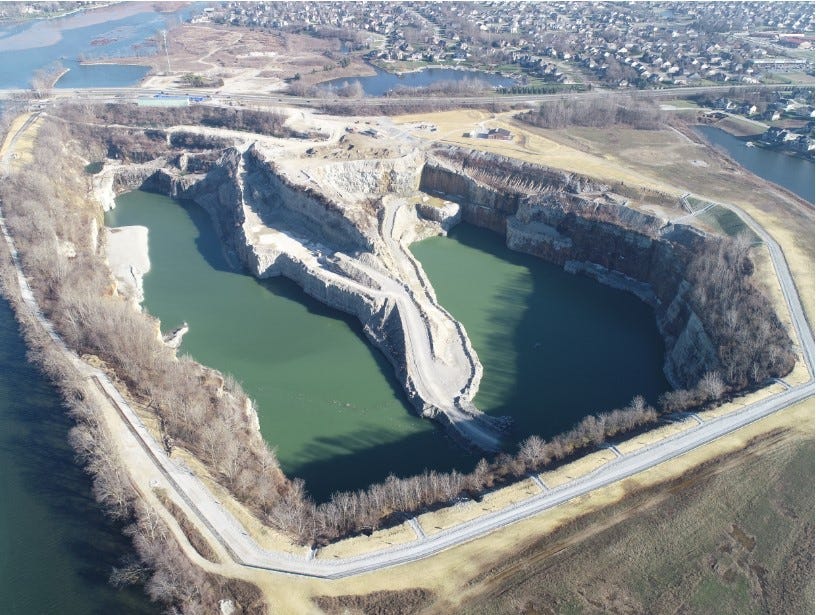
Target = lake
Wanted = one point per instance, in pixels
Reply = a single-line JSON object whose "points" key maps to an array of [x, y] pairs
{"points": [[795, 174], [383, 82], [57, 548], [329, 402]]}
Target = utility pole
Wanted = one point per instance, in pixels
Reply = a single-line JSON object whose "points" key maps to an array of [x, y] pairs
{"points": [[166, 51]]}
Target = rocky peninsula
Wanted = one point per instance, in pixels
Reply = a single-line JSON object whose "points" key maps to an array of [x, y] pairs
{"points": [[336, 215]]}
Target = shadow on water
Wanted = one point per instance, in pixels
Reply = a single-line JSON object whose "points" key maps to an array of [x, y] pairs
{"points": [[210, 247], [327, 463], [207, 243], [61, 546], [337, 413], [374, 455], [353, 461], [558, 347]]}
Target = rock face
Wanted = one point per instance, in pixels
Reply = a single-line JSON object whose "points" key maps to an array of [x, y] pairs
{"points": [[333, 230], [340, 230], [574, 222], [447, 215]]}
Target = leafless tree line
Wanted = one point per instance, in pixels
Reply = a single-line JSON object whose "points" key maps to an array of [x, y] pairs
{"points": [[168, 575], [468, 86], [752, 345], [596, 111], [350, 513], [173, 579], [270, 122], [210, 415], [396, 106]]}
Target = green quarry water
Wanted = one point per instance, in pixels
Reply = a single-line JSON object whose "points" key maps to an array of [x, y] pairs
{"points": [[327, 401], [554, 346]]}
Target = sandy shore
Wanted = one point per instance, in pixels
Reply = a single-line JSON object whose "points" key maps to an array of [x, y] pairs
{"points": [[128, 259]]}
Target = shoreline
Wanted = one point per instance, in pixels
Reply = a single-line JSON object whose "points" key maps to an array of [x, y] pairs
{"points": [[128, 259], [80, 9], [219, 530], [721, 151], [419, 69]]}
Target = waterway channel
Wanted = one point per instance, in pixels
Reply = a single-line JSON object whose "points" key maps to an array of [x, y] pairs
{"points": [[795, 174], [123, 29], [56, 548], [329, 403]]}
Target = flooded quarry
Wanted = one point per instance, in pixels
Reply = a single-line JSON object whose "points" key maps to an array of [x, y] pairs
{"points": [[329, 403], [340, 410], [320, 278]]}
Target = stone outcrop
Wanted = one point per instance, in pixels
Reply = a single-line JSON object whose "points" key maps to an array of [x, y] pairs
{"points": [[447, 215], [576, 223], [327, 232], [340, 228]]}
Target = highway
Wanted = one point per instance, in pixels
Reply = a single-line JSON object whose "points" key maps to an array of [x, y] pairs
{"points": [[102, 95], [214, 519]]}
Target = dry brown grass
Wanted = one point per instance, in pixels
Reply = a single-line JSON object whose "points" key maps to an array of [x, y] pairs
{"points": [[247, 60], [733, 535], [190, 530], [461, 577], [382, 539], [406, 602]]}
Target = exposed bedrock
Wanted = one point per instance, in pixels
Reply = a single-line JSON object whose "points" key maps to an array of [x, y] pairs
{"points": [[340, 229], [337, 230], [576, 223]]}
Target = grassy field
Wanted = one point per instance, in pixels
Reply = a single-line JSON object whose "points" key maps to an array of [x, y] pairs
{"points": [[653, 167], [733, 534], [725, 222]]}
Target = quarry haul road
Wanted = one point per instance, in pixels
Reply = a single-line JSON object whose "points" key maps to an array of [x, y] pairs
{"points": [[424, 370], [213, 519], [461, 369]]}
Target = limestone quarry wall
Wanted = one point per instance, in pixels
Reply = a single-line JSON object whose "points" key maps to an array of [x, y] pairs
{"points": [[283, 203], [221, 192], [564, 219], [556, 216]]}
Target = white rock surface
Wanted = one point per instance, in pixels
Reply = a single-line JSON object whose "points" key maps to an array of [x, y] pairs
{"points": [[128, 259]]}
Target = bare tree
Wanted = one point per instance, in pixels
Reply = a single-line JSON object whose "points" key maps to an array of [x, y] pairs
{"points": [[44, 79], [711, 385]]}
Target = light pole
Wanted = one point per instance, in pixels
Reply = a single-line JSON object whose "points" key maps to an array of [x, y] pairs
{"points": [[166, 51]]}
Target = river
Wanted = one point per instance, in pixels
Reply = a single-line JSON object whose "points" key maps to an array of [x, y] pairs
{"points": [[124, 29], [57, 548], [296, 357], [795, 174], [329, 403]]}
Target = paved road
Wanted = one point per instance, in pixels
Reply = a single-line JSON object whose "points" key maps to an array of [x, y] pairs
{"points": [[132, 93], [224, 528]]}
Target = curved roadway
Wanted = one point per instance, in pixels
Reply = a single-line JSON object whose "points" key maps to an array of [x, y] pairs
{"points": [[245, 551]]}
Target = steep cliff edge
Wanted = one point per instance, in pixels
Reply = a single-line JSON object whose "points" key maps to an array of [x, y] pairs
{"points": [[325, 229], [576, 223]]}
